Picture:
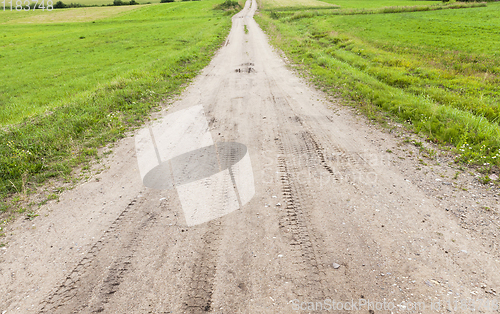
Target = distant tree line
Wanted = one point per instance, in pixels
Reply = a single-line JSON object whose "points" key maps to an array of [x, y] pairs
{"points": [[120, 2], [61, 5]]}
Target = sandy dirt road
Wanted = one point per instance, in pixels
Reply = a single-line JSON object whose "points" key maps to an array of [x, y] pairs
{"points": [[253, 193]]}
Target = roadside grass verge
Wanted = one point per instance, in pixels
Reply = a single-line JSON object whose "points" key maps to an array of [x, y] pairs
{"points": [[124, 68], [434, 70]]}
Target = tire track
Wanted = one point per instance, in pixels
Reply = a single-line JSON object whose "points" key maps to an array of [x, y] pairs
{"points": [[295, 222], [199, 293], [296, 226], [313, 146], [344, 166], [304, 165], [90, 285]]}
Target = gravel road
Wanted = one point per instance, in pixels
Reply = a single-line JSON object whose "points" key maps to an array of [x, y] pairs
{"points": [[255, 193]]}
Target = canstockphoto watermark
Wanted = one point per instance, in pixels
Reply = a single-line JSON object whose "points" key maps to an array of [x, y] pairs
{"points": [[212, 179], [353, 305], [320, 172], [329, 305]]}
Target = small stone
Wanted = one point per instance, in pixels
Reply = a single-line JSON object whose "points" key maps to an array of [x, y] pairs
{"points": [[278, 204], [335, 265]]}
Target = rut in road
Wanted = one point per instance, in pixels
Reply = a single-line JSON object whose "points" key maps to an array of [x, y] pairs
{"points": [[100, 272]]}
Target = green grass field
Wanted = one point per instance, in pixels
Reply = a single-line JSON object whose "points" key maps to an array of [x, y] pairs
{"points": [[371, 4], [63, 16], [71, 87], [105, 2], [285, 4], [438, 70], [51, 65], [344, 4]]}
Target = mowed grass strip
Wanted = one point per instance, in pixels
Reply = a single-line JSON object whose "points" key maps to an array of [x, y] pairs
{"points": [[438, 70], [70, 88]]}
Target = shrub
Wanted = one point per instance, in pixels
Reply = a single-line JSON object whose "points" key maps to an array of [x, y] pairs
{"points": [[228, 5], [59, 5], [166, 1]]}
